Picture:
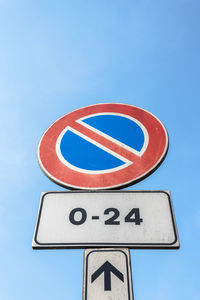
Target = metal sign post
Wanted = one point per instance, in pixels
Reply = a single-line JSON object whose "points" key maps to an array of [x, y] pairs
{"points": [[97, 148]]}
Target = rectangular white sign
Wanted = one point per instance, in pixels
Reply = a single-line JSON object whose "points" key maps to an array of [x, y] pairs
{"points": [[133, 219], [107, 274]]}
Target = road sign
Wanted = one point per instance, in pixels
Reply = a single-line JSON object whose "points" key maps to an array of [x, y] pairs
{"points": [[134, 219], [107, 274], [103, 146]]}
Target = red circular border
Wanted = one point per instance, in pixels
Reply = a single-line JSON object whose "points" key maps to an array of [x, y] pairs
{"points": [[65, 176]]}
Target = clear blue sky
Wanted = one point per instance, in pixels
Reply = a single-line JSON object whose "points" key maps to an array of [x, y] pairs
{"points": [[57, 56]]}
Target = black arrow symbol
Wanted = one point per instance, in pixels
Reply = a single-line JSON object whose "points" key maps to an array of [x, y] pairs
{"points": [[107, 268]]}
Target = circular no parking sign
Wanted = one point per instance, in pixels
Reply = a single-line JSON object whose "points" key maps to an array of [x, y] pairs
{"points": [[102, 146]]}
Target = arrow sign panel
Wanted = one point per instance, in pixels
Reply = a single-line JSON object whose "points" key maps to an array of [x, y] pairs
{"points": [[107, 274]]}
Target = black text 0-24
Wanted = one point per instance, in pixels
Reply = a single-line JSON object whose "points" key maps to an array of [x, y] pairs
{"points": [[78, 216]]}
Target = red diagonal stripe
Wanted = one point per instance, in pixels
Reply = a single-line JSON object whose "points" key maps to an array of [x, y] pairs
{"points": [[118, 149]]}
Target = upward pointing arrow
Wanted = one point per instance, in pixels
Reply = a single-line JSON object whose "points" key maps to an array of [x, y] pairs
{"points": [[107, 268]]}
